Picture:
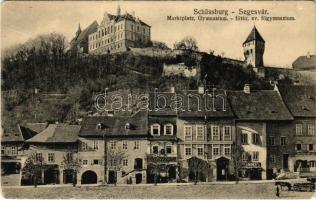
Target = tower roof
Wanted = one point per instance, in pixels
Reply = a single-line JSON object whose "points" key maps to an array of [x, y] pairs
{"points": [[254, 35]]}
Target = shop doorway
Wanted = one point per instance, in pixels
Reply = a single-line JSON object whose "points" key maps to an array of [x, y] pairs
{"points": [[89, 177], [138, 178], [285, 161], [112, 177], [222, 168]]}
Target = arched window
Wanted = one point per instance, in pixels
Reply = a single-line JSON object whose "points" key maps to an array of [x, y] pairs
{"points": [[155, 129], [168, 129]]}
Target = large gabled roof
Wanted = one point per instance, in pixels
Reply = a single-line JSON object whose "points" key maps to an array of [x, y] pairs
{"points": [[260, 105], [300, 99], [305, 63], [85, 33], [118, 18], [115, 126], [15, 135], [254, 35], [57, 133]]}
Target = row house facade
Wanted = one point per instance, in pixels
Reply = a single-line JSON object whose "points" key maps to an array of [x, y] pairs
{"points": [[50, 149], [116, 33], [206, 135], [206, 131], [14, 148], [299, 134], [255, 111], [162, 136], [113, 149]]}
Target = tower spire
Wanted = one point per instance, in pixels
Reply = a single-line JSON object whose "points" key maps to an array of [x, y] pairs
{"points": [[118, 11], [79, 30]]}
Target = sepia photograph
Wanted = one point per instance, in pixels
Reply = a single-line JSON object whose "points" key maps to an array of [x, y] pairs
{"points": [[158, 99]]}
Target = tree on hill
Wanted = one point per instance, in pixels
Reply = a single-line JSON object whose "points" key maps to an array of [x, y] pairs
{"points": [[160, 45], [187, 43]]}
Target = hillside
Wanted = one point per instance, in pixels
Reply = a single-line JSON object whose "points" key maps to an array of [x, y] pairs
{"points": [[46, 66]]}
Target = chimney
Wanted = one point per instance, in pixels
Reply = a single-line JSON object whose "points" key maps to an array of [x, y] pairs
{"points": [[247, 89], [172, 89], [308, 55], [201, 89], [133, 13]]}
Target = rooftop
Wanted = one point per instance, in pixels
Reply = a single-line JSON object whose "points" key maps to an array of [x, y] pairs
{"points": [[299, 99], [57, 133], [254, 35], [258, 105]]}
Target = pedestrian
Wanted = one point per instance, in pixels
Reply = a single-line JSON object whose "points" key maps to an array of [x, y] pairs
{"points": [[278, 191]]}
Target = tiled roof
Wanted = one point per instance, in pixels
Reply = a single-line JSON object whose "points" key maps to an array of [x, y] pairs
{"points": [[57, 133], [13, 136], [254, 35], [305, 63], [191, 108], [37, 127], [135, 125], [300, 99], [27, 133], [84, 34], [119, 18], [258, 105]]}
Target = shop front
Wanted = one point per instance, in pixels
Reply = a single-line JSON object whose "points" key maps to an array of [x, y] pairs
{"points": [[251, 171]]}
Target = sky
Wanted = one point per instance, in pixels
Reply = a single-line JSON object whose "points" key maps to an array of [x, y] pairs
{"points": [[285, 40]]}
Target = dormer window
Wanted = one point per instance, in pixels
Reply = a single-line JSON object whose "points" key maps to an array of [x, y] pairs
{"points": [[99, 126], [155, 129], [127, 126], [168, 129]]}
